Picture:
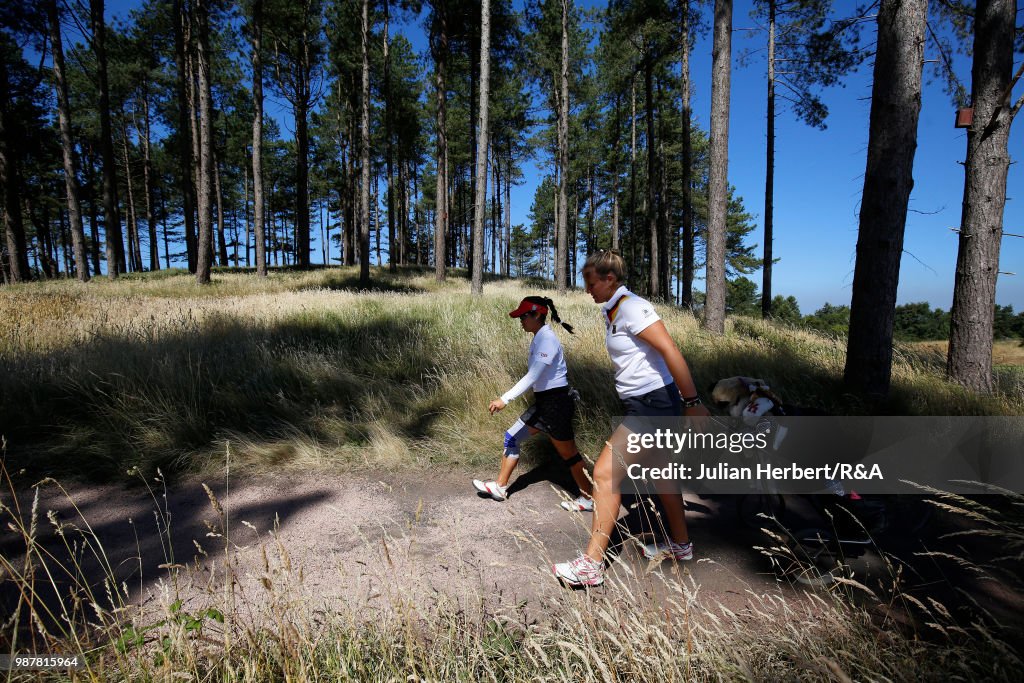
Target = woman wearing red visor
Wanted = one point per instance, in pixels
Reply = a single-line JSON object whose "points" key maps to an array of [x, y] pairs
{"points": [[553, 408]]}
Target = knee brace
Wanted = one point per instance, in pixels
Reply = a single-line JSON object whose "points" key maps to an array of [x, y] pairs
{"points": [[571, 462], [516, 433]]}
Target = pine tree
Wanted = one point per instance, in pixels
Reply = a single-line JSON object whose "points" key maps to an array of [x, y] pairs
{"points": [[985, 172], [67, 143], [888, 179], [479, 203], [714, 307]]}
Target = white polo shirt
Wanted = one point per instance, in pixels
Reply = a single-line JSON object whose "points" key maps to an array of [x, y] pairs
{"points": [[546, 366], [639, 368]]}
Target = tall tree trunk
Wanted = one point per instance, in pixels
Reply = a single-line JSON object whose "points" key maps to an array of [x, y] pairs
{"points": [[45, 234], [615, 211], [556, 200], [248, 225], [453, 239], [418, 236], [480, 200], [148, 179], [460, 234], [67, 142], [364, 151], [375, 212], [301, 104], [632, 180], [135, 252], [43, 261], [508, 213], [222, 245], [302, 176], [167, 244], [440, 49], [573, 235], [258, 219], [186, 123], [562, 222], [64, 238], [111, 220], [652, 180], [663, 212], [389, 150], [234, 233], [408, 224], [688, 266], [718, 184], [769, 176], [614, 172], [888, 180], [981, 223], [323, 234], [204, 256], [467, 213], [193, 95], [350, 201], [275, 243], [94, 229], [495, 211], [401, 213]]}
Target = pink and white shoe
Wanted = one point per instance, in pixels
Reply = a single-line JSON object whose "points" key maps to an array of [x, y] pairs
{"points": [[665, 550], [491, 488], [582, 571], [581, 504]]}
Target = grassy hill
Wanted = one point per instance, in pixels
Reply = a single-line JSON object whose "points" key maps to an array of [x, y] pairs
{"points": [[304, 370]]}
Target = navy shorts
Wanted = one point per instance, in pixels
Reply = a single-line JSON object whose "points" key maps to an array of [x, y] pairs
{"points": [[662, 402]]}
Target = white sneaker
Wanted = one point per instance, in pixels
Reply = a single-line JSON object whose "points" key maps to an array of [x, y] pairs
{"points": [[491, 488], [670, 549], [581, 504], [582, 571]]}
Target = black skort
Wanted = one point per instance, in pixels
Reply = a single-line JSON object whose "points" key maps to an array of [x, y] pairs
{"points": [[552, 413]]}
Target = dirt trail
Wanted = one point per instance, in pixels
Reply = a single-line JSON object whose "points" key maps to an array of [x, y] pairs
{"points": [[365, 542], [360, 538]]}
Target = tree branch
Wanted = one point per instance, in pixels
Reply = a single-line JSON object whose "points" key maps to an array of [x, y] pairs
{"points": [[1005, 97]]}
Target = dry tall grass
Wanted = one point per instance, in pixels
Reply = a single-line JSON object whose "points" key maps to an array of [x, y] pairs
{"points": [[304, 370]]}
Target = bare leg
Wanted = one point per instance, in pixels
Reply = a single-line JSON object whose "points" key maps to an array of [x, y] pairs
{"points": [[567, 449], [607, 499], [608, 476], [676, 517], [507, 466]]}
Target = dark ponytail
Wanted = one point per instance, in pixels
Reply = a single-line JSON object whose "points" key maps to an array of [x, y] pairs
{"points": [[550, 305]]}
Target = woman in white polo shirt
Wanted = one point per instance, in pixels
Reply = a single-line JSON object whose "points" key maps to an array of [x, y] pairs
{"points": [[652, 379], [553, 408]]}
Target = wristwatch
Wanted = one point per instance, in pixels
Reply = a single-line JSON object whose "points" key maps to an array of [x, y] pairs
{"points": [[691, 402]]}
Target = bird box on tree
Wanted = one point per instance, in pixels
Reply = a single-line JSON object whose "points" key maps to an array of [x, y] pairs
{"points": [[964, 117]]}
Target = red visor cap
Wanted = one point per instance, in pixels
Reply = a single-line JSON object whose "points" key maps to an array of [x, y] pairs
{"points": [[527, 307]]}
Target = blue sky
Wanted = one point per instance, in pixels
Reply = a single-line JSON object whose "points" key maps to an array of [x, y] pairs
{"points": [[819, 177]]}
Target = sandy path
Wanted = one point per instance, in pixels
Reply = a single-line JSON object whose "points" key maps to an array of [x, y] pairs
{"points": [[365, 540], [366, 544]]}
